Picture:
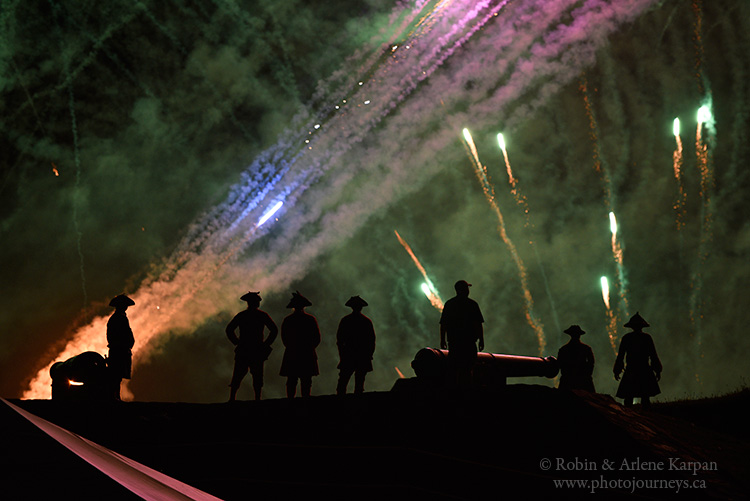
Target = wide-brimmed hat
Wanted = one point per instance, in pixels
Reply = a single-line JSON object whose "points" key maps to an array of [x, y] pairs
{"points": [[574, 330], [298, 301], [121, 301], [636, 322], [251, 297], [356, 301]]}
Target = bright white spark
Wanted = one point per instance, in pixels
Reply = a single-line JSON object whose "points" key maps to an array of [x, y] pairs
{"points": [[270, 213]]}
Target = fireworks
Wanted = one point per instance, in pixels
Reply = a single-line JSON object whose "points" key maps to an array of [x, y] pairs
{"points": [[705, 120], [521, 201], [429, 290], [288, 169], [268, 215], [618, 256], [613, 225], [432, 295], [489, 193], [611, 317], [511, 179], [679, 205], [605, 291]]}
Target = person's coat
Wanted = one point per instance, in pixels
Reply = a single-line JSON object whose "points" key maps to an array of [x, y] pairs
{"points": [[300, 335], [355, 339]]}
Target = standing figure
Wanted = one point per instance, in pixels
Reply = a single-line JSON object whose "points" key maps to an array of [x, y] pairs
{"points": [[461, 326], [355, 339], [300, 335], [120, 342], [642, 365], [251, 349], [576, 361]]}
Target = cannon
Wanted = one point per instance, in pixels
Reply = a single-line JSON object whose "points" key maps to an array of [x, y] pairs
{"points": [[82, 377], [490, 370]]}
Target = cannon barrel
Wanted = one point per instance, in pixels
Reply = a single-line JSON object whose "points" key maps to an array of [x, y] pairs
{"points": [[490, 368], [84, 368], [88, 370]]}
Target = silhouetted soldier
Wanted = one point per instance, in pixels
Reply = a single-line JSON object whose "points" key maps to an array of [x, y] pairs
{"points": [[461, 325], [576, 362], [355, 339], [642, 365], [301, 335], [120, 342], [251, 349]]}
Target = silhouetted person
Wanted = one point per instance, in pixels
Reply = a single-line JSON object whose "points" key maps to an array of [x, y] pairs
{"points": [[642, 366], [120, 342], [301, 335], [576, 362], [251, 349], [355, 339], [461, 326]]}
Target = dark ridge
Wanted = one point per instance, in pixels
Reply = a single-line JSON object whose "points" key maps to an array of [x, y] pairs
{"points": [[399, 445]]}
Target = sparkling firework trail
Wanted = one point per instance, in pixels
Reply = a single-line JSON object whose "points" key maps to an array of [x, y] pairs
{"points": [[611, 317], [521, 201], [681, 202], [428, 288], [219, 250], [605, 291], [432, 296], [489, 193], [618, 256], [501, 144], [600, 167], [705, 121]]}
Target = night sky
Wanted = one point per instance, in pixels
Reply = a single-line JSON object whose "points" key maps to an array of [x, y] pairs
{"points": [[143, 141]]}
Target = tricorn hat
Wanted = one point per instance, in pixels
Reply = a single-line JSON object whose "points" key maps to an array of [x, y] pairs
{"points": [[298, 301], [356, 301], [121, 301], [574, 330], [251, 297], [636, 322]]}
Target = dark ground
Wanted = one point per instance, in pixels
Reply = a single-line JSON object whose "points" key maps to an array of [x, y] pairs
{"points": [[396, 445]]}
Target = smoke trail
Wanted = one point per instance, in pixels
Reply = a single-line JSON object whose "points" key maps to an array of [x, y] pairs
{"points": [[431, 292], [77, 191], [698, 45], [489, 193], [76, 155], [223, 250], [707, 183]]}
